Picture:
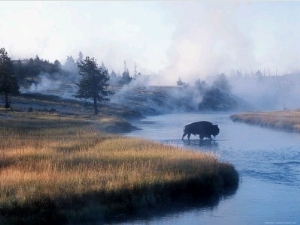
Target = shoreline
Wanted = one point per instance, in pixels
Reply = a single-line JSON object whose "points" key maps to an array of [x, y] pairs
{"points": [[288, 120], [76, 173]]}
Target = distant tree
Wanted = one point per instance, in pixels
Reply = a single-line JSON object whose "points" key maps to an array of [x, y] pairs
{"points": [[113, 78], [222, 82], [201, 86], [113, 75], [38, 65], [137, 74], [70, 64], [93, 83], [259, 75], [8, 81], [28, 70], [55, 68], [18, 70], [126, 78], [103, 66], [180, 83], [80, 57], [33, 67]]}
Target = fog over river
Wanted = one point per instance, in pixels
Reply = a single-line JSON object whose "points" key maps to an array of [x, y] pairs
{"points": [[268, 162]]}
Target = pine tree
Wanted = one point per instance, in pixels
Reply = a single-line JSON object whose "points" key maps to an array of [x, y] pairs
{"points": [[222, 82], [80, 57], [93, 83], [8, 81], [126, 78]]}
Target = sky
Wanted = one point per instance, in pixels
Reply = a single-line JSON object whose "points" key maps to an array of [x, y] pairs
{"points": [[164, 39]]}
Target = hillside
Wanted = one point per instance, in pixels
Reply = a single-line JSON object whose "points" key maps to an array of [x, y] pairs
{"points": [[112, 118], [143, 99]]}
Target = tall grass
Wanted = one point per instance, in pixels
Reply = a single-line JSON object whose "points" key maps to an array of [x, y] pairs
{"points": [[55, 169], [288, 120]]}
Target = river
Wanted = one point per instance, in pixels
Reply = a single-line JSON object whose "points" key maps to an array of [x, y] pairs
{"points": [[268, 162]]}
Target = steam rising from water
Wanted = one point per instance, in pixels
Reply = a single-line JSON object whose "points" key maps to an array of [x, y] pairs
{"points": [[261, 93], [190, 39], [223, 37], [269, 93], [156, 99], [208, 41]]}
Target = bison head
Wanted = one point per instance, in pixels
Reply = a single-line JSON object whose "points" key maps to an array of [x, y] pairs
{"points": [[215, 130]]}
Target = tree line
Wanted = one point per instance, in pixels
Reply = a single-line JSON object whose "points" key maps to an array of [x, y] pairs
{"points": [[27, 71], [93, 80]]}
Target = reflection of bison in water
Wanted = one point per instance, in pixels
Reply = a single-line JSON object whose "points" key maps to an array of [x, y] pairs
{"points": [[203, 128]]}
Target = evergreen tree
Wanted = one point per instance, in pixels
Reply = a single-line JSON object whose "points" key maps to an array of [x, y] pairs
{"points": [[113, 75], [18, 70], [113, 78], [179, 82], [70, 64], [126, 78], [202, 86], [80, 57], [93, 83], [8, 81], [56, 67], [222, 82]]}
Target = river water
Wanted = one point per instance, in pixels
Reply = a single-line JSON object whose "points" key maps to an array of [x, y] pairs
{"points": [[268, 162]]}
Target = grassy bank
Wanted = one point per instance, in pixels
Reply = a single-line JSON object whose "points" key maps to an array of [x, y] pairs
{"points": [[57, 170], [283, 120]]}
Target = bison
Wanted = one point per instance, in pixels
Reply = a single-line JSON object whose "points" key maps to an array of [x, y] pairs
{"points": [[202, 128]]}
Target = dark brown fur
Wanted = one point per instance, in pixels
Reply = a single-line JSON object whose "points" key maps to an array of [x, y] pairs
{"points": [[202, 128]]}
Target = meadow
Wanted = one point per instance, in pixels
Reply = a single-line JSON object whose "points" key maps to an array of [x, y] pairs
{"points": [[288, 120], [58, 169]]}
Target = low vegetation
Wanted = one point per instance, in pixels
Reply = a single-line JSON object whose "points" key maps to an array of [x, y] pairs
{"points": [[57, 169], [288, 120]]}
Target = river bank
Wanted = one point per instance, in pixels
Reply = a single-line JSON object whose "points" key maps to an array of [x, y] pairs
{"points": [[267, 161], [59, 166], [288, 120]]}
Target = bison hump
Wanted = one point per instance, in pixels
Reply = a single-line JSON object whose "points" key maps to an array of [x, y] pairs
{"points": [[202, 123]]}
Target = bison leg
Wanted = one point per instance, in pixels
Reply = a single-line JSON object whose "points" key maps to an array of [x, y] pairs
{"points": [[189, 136]]}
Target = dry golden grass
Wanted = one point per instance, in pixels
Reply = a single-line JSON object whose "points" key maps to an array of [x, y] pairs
{"points": [[288, 120], [70, 163]]}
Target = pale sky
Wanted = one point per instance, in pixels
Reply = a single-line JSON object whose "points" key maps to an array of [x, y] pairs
{"points": [[169, 39]]}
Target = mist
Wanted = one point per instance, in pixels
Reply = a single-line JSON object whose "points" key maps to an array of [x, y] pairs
{"points": [[221, 37], [166, 40], [52, 84], [187, 39], [149, 99], [268, 92], [245, 92], [207, 41]]}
